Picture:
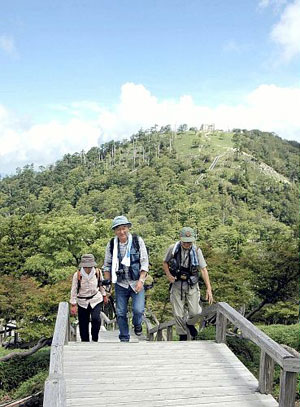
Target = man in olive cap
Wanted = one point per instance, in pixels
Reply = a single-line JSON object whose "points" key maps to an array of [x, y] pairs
{"points": [[126, 264], [182, 264]]}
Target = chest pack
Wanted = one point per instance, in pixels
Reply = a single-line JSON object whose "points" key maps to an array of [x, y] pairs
{"points": [[189, 273]]}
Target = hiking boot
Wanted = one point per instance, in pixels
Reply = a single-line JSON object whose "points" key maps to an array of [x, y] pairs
{"points": [[138, 330], [193, 331], [183, 337]]}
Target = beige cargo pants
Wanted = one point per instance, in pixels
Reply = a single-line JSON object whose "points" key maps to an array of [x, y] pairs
{"points": [[190, 297]]}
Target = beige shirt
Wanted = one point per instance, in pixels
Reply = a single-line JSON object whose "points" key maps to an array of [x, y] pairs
{"points": [[88, 287]]}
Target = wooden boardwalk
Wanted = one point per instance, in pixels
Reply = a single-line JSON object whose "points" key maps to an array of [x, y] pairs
{"points": [[155, 373], [150, 374]]}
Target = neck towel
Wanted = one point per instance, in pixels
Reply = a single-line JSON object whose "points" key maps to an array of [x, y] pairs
{"points": [[115, 258], [193, 253]]}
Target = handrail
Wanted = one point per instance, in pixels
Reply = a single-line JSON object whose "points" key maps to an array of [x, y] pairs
{"points": [[271, 351], [55, 388], [210, 310], [250, 331], [106, 320]]}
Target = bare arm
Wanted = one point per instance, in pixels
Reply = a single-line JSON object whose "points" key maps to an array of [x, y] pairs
{"points": [[167, 272], [205, 277]]}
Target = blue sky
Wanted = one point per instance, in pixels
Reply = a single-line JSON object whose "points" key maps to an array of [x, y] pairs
{"points": [[77, 73]]}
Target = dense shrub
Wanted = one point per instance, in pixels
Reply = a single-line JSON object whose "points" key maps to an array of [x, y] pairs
{"points": [[16, 371], [31, 386], [283, 334]]}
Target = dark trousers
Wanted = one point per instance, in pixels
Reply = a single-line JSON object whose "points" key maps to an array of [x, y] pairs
{"points": [[84, 315]]}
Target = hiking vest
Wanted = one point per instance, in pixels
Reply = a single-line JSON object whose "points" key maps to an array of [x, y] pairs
{"points": [[135, 265], [189, 274]]}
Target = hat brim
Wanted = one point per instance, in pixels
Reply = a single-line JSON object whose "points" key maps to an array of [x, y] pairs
{"points": [[122, 224], [187, 239], [88, 264]]}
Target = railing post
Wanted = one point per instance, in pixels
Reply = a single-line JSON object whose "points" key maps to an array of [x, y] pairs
{"points": [[68, 328], [221, 325], [159, 336], [55, 391], [169, 333], [266, 373], [287, 395]]}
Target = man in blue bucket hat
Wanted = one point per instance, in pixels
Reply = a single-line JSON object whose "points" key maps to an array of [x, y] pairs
{"points": [[182, 264], [126, 265]]}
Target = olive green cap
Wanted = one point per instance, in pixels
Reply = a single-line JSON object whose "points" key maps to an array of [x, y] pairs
{"points": [[187, 235]]}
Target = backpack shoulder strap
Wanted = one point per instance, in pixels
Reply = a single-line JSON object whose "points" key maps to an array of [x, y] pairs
{"points": [[79, 277], [111, 245], [135, 241], [178, 250], [99, 276]]}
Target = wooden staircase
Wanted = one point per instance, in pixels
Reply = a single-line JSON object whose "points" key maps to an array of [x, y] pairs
{"points": [[165, 373], [150, 374]]}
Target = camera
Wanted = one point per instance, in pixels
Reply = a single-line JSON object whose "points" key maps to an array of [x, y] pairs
{"points": [[105, 282], [120, 275]]}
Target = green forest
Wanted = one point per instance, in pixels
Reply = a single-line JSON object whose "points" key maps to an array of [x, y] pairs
{"points": [[238, 190]]}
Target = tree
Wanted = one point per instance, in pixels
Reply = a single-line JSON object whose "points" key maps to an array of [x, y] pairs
{"points": [[18, 241], [182, 128], [275, 272], [61, 243], [34, 308]]}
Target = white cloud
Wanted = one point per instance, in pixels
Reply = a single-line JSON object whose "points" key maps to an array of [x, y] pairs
{"points": [[7, 44], [268, 108], [41, 144], [286, 32], [276, 4]]}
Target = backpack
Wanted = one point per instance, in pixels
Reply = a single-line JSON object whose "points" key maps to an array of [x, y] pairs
{"points": [[79, 278]]}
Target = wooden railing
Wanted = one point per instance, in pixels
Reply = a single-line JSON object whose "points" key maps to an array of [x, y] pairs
{"points": [[108, 323], [64, 332], [157, 333], [271, 351], [55, 389]]}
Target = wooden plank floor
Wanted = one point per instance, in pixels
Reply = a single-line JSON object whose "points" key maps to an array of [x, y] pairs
{"points": [[155, 374]]}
